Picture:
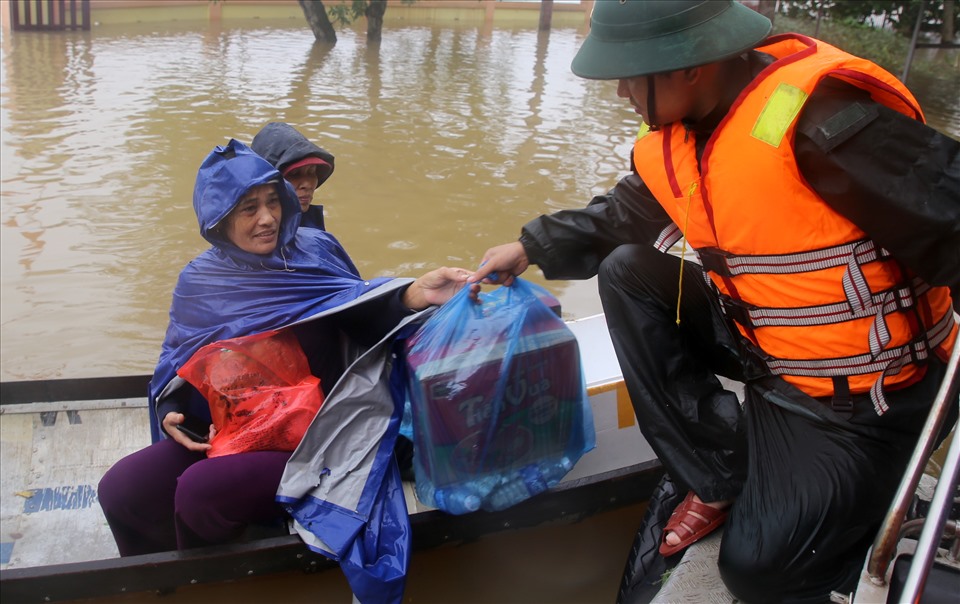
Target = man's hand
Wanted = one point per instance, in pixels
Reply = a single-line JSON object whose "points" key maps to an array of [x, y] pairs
{"points": [[501, 264]]}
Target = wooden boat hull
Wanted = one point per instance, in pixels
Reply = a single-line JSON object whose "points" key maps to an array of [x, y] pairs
{"points": [[166, 571], [59, 436]]}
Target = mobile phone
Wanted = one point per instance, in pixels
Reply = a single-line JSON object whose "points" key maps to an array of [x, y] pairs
{"points": [[195, 429]]}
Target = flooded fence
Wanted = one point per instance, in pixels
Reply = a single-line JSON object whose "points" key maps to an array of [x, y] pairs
{"points": [[49, 15]]}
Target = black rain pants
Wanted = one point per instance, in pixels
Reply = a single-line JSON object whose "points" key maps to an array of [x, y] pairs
{"points": [[811, 487]]}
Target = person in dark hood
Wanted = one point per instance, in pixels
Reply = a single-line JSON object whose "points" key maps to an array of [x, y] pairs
{"points": [[306, 166], [303, 164], [261, 273]]}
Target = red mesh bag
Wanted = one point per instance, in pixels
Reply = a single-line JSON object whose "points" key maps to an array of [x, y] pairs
{"points": [[262, 395]]}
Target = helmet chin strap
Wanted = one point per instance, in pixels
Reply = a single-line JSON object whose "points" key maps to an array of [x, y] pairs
{"points": [[651, 95]]}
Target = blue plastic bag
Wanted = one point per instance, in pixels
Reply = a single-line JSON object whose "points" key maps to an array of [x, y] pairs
{"points": [[498, 398]]}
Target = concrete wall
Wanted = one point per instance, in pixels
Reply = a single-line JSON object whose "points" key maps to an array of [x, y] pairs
{"points": [[104, 12]]}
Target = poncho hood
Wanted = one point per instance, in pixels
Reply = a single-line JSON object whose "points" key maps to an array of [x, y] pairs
{"points": [[225, 175], [226, 292]]}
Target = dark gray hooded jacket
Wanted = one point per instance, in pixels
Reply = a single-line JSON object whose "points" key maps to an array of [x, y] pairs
{"points": [[282, 145]]}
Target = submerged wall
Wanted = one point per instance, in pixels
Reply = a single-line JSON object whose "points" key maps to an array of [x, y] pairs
{"points": [[104, 12]]}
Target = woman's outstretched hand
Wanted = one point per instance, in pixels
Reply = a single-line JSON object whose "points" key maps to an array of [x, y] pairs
{"points": [[436, 287]]}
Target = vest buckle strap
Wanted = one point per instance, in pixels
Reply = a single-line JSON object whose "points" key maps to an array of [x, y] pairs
{"points": [[714, 260], [888, 363], [886, 303], [737, 310], [827, 368], [855, 285], [913, 353], [725, 264], [842, 401], [916, 350], [881, 303], [879, 335], [876, 390]]}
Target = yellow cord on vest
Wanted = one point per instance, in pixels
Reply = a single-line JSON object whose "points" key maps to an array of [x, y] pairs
{"points": [[683, 250]]}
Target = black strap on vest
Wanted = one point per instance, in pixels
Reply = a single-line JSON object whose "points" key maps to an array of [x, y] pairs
{"points": [[842, 402]]}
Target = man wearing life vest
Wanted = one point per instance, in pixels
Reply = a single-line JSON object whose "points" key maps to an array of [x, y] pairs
{"points": [[814, 221]]}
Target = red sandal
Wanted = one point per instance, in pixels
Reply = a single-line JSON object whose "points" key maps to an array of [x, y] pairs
{"points": [[686, 523]]}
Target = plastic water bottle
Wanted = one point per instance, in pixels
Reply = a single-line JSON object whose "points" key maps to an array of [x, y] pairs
{"points": [[453, 500], [456, 500], [460, 498], [528, 481]]}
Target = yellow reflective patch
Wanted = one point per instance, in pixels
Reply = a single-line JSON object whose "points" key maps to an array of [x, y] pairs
{"points": [[644, 130], [781, 109]]}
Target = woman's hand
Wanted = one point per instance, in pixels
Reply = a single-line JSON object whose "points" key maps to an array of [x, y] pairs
{"points": [[436, 287], [172, 420], [501, 264]]}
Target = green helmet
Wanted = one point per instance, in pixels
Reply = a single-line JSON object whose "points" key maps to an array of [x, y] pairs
{"points": [[630, 38]]}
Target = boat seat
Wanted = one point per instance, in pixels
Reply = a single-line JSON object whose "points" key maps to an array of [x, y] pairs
{"points": [[942, 584], [254, 532]]}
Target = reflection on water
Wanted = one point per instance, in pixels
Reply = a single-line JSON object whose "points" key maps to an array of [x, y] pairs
{"points": [[939, 96], [447, 140], [443, 149]]}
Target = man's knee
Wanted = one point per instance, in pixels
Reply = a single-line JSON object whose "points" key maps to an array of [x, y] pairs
{"points": [[747, 576], [640, 270], [621, 263]]}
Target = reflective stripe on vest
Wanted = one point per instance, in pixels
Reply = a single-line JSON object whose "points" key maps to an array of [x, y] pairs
{"points": [[888, 363], [668, 238], [898, 298], [803, 283]]}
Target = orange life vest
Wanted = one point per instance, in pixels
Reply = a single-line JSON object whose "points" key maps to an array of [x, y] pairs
{"points": [[830, 311]]}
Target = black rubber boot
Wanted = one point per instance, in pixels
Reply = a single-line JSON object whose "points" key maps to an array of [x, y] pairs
{"points": [[642, 576]]}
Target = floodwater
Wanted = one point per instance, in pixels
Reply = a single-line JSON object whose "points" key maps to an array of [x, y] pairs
{"points": [[446, 142], [447, 139]]}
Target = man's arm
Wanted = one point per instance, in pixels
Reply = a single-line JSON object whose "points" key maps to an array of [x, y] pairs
{"points": [[570, 244], [892, 176]]}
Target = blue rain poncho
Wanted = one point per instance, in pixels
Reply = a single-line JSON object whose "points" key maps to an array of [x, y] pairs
{"points": [[226, 292]]}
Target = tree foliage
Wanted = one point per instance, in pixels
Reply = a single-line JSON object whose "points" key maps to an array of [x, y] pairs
{"points": [[898, 15]]}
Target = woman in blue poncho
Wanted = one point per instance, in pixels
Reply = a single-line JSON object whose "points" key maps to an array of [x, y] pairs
{"points": [[261, 273]]}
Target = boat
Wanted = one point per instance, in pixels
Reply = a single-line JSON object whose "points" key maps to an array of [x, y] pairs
{"points": [[51, 429], [59, 436]]}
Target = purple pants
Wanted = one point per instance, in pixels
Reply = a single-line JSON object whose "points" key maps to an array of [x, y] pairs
{"points": [[166, 497]]}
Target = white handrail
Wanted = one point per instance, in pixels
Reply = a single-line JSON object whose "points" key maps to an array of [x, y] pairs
{"points": [[933, 526], [886, 541]]}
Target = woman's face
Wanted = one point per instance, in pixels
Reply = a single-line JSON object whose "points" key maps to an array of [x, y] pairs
{"points": [[253, 225], [304, 180]]}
